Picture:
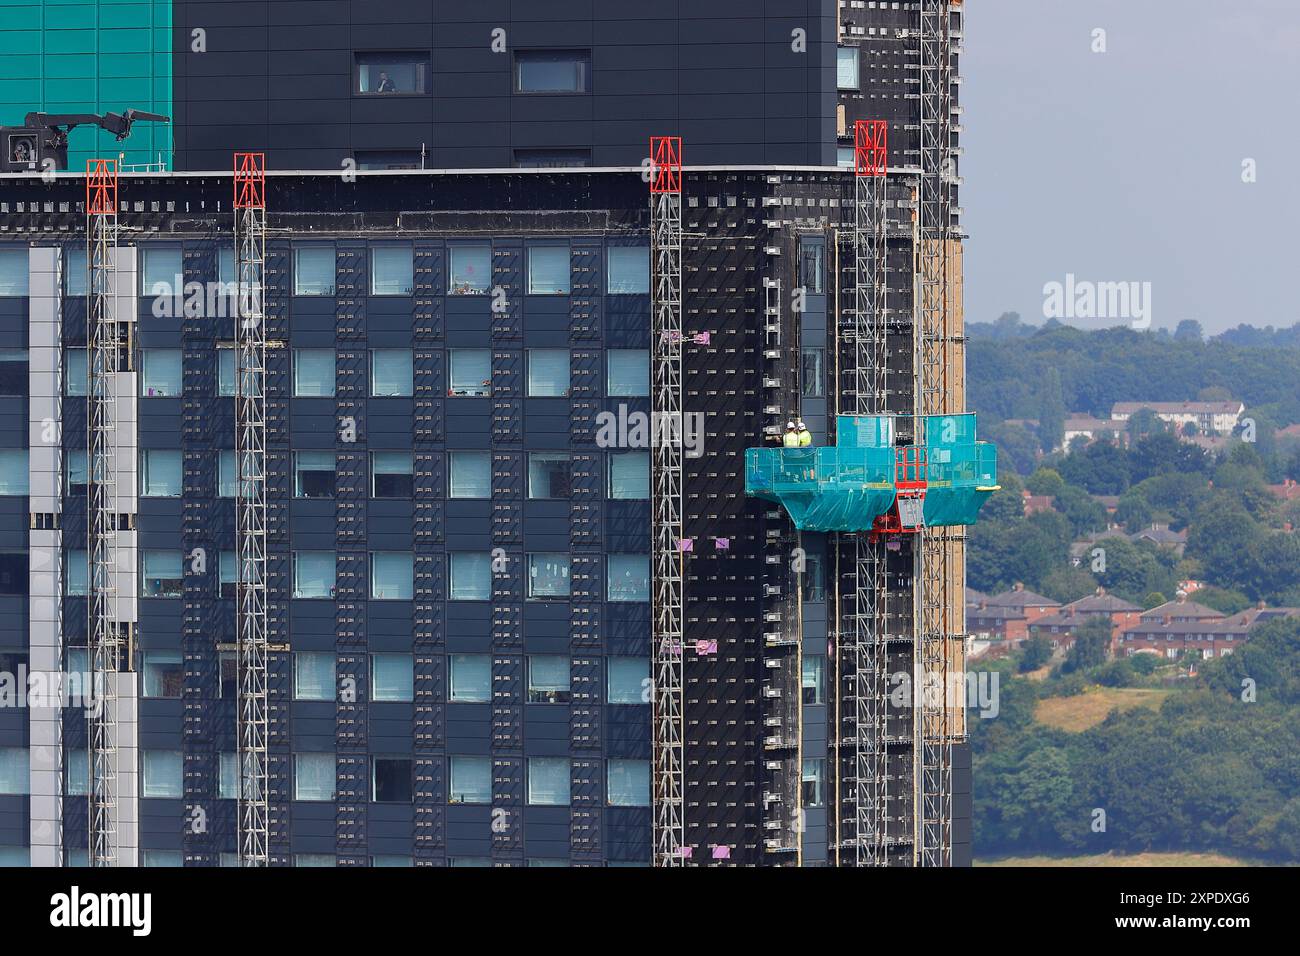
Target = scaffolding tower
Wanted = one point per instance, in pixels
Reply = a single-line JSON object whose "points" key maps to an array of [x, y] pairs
{"points": [[667, 611], [251, 509], [110, 353], [864, 682], [935, 726]]}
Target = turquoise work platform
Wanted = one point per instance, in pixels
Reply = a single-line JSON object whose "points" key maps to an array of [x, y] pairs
{"points": [[847, 486]]}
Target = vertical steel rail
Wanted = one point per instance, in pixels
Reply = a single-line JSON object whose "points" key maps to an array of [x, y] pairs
{"points": [[667, 611], [251, 510]]}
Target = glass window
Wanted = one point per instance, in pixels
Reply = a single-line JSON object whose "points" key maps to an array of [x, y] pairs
{"points": [[552, 71], [314, 859], [471, 576], [471, 270], [479, 861], [627, 783], [814, 776], [76, 773], [390, 779], [227, 675], [313, 270], [558, 158], [76, 573], [471, 372], [160, 473], [548, 679], [225, 372], [550, 474], [314, 777], [313, 675], [812, 373], [392, 575], [812, 266], [160, 773], [227, 479], [392, 270], [389, 73], [628, 577], [13, 273], [227, 576], [629, 475], [313, 574], [812, 581], [161, 574], [75, 470], [548, 270], [391, 373], [313, 373], [469, 474], [164, 676], [470, 780], [161, 858], [13, 572], [228, 776], [313, 474], [845, 156], [627, 372], [76, 372], [162, 271], [76, 274], [14, 779], [471, 679], [226, 265], [371, 159], [847, 72], [629, 270], [13, 471], [392, 677], [160, 373], [13, 372], [814, 679], [392, 474], [627, 680], [548, 781], [548, 373], [548, 575]]}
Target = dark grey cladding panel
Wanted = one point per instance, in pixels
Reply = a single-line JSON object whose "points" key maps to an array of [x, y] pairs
{"points": [[278, 76]]}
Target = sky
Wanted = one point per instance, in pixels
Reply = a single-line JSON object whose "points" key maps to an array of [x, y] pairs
{"points": [[1127, 165]]}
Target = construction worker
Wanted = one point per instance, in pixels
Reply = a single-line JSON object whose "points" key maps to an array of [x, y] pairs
{"points": [[805, 436], [791, 439]]}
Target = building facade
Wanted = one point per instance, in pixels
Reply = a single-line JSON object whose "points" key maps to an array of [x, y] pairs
{"points": [[458, 546]]}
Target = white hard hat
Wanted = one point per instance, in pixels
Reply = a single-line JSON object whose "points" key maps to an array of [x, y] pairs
{"points": [[789, 424], [802, 425]]}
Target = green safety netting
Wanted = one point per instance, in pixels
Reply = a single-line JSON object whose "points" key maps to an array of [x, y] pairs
{"points": [[847, 486]]}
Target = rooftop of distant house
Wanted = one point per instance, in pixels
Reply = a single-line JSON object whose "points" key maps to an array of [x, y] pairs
{"points": [[1179, 408]]}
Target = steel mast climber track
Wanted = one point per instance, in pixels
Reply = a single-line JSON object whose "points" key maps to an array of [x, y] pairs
{"points": [[865, 686], [667, 612], [935, 725], [109, 354], [251, 527]]}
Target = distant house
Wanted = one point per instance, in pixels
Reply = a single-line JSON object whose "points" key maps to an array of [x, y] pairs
{"points": [[1060, 628], [1081, 550], [1210, 418], [1289, 490], [1193, 627], [1007, 616], [1036, 503], [1081, 425], [1159, 534]]}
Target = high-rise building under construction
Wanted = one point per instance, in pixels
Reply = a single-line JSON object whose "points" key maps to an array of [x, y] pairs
{"points": [[403, 453]]}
